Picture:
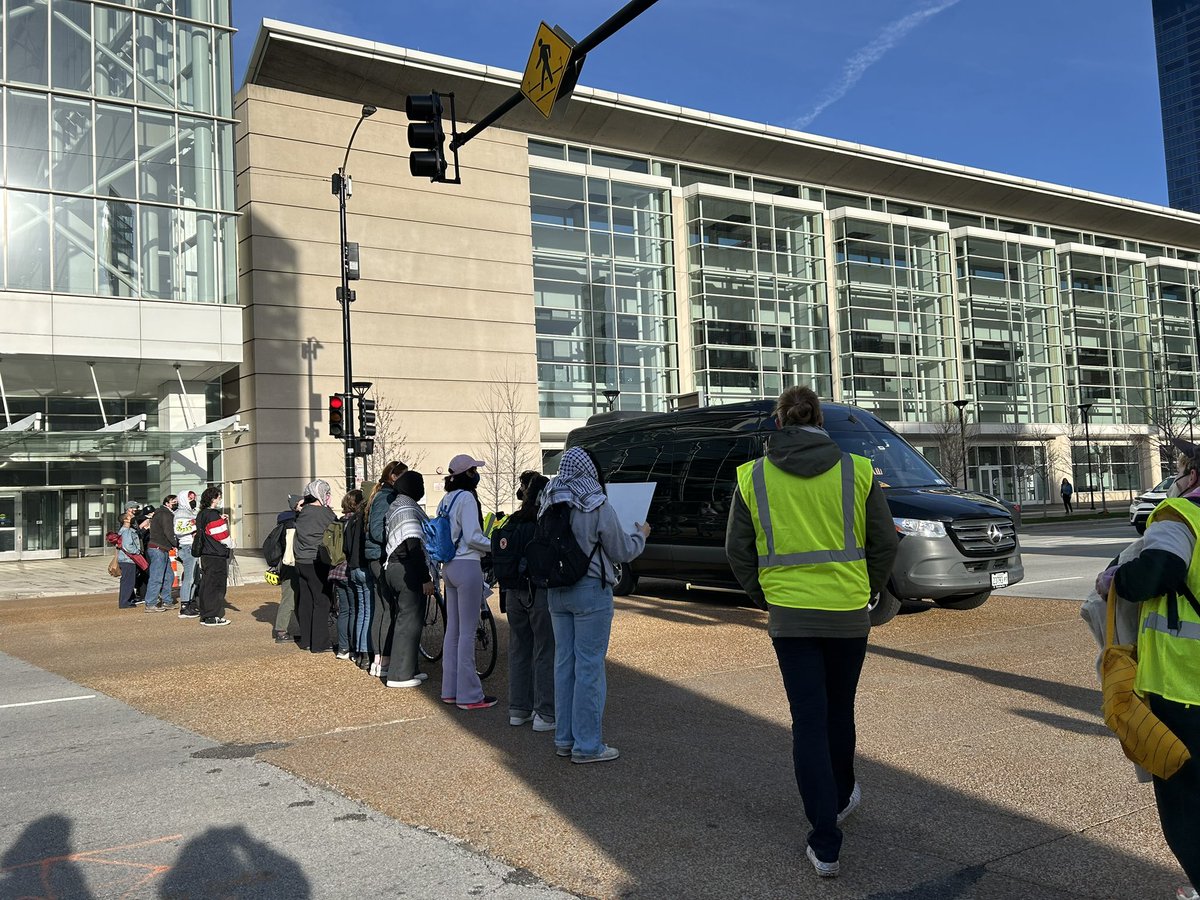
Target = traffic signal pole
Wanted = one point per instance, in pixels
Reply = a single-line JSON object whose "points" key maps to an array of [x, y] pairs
{"points": [[347, 361]]}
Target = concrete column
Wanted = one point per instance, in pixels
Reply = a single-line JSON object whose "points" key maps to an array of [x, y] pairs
{"points": [[184, 469]]}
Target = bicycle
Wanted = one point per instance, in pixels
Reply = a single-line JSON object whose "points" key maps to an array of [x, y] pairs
{"points": [[433, 632]]}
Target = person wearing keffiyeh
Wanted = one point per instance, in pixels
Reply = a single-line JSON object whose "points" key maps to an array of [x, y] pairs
{"points": [[409, 576]]}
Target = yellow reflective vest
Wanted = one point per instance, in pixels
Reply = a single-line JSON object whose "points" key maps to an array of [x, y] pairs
{"points": [[1169, 658], [810, 533]]}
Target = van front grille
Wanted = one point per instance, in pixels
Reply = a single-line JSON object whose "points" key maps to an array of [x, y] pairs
{"points": [[983, 537]]}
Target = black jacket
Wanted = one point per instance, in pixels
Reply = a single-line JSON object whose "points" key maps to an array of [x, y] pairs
{"points": [[162, 528]]}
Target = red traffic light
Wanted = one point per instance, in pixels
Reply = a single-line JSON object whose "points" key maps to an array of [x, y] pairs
{"points": [[336, 402]]}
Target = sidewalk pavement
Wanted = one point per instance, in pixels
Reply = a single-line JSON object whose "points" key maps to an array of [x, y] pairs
{"points": [[87, 575]]}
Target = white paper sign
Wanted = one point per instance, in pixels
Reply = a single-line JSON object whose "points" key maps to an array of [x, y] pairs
{"points": [[631, 502]]}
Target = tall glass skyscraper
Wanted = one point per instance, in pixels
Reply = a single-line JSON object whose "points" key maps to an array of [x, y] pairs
{"points": [[1177, 38]]}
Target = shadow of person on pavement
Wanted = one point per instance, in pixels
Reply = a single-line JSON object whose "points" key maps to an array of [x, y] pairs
{"points": [[41, 863], [229, 863]]}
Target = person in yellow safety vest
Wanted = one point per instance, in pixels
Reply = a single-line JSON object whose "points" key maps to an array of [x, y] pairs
{"points": [[811, 540], [1165, 579]]}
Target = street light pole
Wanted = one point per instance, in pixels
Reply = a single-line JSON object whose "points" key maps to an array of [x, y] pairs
{"points": [[341, 185], [962, 433], [1084, 409]]}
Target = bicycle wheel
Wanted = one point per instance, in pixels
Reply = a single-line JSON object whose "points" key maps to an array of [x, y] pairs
{"points": [[434, 628], [485, 643]]}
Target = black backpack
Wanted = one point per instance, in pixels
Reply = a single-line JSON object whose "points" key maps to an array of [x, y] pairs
{"points": [[274, 544], [508, 553], [553, 556]]}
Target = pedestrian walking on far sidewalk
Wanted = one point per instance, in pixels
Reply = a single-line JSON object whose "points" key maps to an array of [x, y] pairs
{"points": [[1067, 490], [811, 539]]}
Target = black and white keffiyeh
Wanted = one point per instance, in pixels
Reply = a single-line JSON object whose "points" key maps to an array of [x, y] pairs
{"points": [[577, 483]]}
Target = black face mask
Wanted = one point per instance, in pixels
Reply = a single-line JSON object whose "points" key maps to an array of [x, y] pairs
{"points": [[521, 494], [473, 479]]}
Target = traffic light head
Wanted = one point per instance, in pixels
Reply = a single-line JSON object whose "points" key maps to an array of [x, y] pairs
{"points": [[337, 415], [366, 418], [426, 136]]}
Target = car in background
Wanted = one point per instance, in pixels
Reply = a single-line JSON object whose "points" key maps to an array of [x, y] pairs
{"points": [[1143, 504]]}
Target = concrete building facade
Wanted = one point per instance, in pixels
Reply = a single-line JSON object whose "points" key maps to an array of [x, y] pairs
{"points": [[641, 254]]}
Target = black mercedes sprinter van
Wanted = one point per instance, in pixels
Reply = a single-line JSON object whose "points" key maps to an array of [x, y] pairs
{"points": [[955, 546]]}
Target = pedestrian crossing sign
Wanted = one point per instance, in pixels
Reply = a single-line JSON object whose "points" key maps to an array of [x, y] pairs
{"points": [[547, 69]]}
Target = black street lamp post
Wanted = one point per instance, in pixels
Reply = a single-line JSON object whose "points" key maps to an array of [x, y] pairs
{"points": [[1190, 412], [341, 187], [962, 433], [1084, 409], [611, 396]]}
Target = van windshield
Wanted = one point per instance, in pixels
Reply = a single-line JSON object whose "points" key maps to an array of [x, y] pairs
{"points": [[896, 463]]}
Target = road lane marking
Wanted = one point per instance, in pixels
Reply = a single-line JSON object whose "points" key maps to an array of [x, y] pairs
{"points": [[55, 700], [1049, 580]]}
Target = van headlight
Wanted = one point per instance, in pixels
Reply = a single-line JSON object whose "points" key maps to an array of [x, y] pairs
{"points": [[920, 528]]}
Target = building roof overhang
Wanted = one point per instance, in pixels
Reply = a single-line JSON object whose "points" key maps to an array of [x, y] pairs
{"points": [[320, 63]]}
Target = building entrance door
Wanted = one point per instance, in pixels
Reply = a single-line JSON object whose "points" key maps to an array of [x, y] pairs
{"points": [[40, 534], [88, 515], [992, 481], [8, 527]]}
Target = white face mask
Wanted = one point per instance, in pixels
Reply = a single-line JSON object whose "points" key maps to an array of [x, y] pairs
{"points": [[1177, 490]]}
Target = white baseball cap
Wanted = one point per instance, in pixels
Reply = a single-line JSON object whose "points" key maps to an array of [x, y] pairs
{"points": [[462, 462]]}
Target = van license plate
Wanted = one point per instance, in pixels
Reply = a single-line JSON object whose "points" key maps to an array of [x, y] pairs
{"points": [[999, 579]]}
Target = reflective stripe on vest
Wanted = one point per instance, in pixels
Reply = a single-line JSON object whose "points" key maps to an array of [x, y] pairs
{"points": [[1169, 659], [848, 553]]}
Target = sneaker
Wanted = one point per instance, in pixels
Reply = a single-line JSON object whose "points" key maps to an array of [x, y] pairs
{"points": [[540, 724], [851, 805], [281, 637], [343, 654], [155, 608], [520, 720], [421, 676], [562, 751], [411, 682], [451, 700], [171, 605], [485, 703], [608, 753], [1187, 892], [189, 612], [824, 869], [214, 621]]}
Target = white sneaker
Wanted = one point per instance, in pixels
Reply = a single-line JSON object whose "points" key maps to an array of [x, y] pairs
{"points": [[343, 654], [520, 720], [824, 869], [540, 724], [605, 755], [851, 805], [421, 676], [410, 682]]}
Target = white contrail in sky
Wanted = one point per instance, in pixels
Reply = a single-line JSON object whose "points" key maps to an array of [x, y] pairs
{"points": [[857, 65]]}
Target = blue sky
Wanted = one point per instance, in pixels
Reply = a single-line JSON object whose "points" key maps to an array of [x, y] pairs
{"points": [[1058, 90]]}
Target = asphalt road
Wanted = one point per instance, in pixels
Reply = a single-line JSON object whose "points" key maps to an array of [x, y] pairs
{"points": [[1062, 560]]}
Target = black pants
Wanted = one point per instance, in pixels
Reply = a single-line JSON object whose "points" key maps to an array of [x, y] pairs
{"points": [[312, 605], [1178, 798], [820, 676], [128, 582], [214, 577], [383, 612], [407, 624], [1067, 503]]}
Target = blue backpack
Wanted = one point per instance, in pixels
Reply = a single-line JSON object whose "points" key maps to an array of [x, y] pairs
{"points": [[439, 536]]}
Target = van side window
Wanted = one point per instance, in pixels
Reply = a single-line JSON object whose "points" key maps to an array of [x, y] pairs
{"points": [[711, 474]]}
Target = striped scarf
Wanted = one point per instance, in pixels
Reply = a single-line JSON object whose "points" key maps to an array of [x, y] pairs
{"points": [[405, 519]]}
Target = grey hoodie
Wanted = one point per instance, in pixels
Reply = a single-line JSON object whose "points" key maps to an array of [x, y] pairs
{"points": [[809, 452]]}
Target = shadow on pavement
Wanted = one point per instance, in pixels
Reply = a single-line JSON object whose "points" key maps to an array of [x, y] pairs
{"points": [[41, 863], [230, 863]]}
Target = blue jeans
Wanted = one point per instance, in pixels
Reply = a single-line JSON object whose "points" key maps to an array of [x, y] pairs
{"points": [[161, 578], [187, 566], [341, 590], [582, 616], [361, 586]]}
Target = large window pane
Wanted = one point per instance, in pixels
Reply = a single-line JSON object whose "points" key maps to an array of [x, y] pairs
{"points": [[224, 74], [74, 245], [158, 253], [224, 174], [193, 9], [197, 162], [155, 52], [197, 256], [156, 150], [27, 47], [114, 53], [28, 241], [195, 68], [28, 140], [116, 167], [229, 268], [71, 35], [71, 146], [117, 248]]}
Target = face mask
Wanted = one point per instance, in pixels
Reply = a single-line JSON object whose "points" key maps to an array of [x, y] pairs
{"points": [[1176, 489], [473, 479]]}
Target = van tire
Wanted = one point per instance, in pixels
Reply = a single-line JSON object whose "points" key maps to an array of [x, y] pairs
{"points": [[626, 582], [1140, 526], [971, 601], [883, 608]]}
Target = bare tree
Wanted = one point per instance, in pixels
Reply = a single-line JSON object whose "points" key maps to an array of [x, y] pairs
{"points": [[391, 440], [1049, 460], [949, 437], [510, 439]]}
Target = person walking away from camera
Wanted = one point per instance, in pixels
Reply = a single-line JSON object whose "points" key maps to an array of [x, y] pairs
{"points": [[127, 542], [811, 539], [312, 596], [383, 605], [1067, 490], [160, 543], [582, 613], [216, 546], [463, 585], [409, 577], [185, 533], [530, 631], [339, 575], [1165, 580], [287, 627]]}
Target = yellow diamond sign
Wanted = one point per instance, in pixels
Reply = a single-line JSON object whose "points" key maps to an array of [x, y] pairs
{"points": [[546, 70]]}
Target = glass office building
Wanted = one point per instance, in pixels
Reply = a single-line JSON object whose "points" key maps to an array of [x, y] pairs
{"points": [[118, 213], [1177, 40]]}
